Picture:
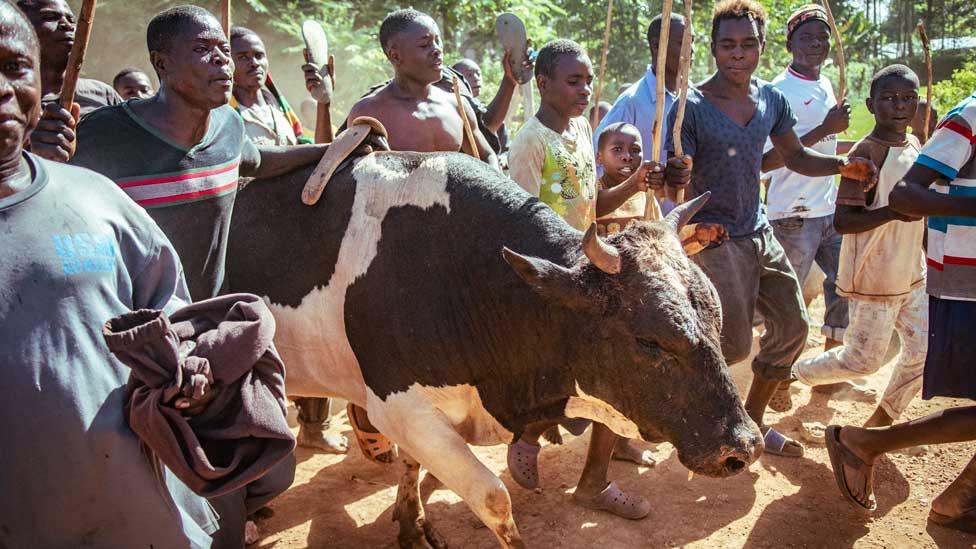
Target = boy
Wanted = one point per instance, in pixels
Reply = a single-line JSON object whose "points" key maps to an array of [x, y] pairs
{"points": [[552, 158], [948, 161], [881, 267], [801, 208], [622, 195], [132, 83], [728, 119], [418, 115]]}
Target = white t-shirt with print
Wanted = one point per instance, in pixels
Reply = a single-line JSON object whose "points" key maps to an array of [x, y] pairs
{"points": [[791, 194]]}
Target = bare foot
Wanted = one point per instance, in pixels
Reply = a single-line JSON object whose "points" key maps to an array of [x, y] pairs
{"points": [[879, 418], [625, 450], [313, 437]]}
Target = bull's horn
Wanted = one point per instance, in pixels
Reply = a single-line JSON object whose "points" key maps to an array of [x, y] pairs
{"points": [[604, 256], [682, 214]]}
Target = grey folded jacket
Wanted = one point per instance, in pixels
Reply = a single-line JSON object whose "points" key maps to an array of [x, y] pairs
{"points": [[223, 345]]}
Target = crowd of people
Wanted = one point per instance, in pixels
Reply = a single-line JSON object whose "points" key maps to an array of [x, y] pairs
{"points": [[123, 202]]}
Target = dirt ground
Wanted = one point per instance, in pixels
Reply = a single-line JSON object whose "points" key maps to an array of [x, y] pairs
{"points": [[346, 501]]}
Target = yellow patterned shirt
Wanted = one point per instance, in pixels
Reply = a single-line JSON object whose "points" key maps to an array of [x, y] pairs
{"points": [[558, 168]]}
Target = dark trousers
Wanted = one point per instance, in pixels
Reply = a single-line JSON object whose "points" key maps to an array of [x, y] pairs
{"points": [[753, 274], [234, 508], [314, 411]]}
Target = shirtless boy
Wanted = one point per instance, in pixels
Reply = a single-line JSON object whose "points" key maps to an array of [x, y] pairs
{"points": [[418, 116]]}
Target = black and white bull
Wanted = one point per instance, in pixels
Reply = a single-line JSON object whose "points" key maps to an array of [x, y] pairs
{"points": [[456, 308]]}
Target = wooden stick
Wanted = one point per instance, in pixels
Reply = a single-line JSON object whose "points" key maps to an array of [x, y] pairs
{"points": [[603, 66], [684, 79], [225, 16], [842, 77], [473, 149], [662, 60], [323, 113], [77, 56], [924, 37]]}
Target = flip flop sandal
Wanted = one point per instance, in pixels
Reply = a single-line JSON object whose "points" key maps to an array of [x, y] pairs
{"points": [[775, 442], [317, 48], [523, 463], [375, 447], [613, 500], [840, 456], [965, 522], [511, 33]]}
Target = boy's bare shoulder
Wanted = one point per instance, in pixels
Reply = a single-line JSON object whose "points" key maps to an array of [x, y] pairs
{"points": [[372, 104]]}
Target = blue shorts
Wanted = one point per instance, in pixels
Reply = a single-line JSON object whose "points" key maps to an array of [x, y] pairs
{"points": [[950, 365]]}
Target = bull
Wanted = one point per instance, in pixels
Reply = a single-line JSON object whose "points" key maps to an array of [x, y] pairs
{"points": [[457, 309]]}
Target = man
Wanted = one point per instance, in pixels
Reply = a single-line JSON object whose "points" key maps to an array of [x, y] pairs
{"points": [[728, 119], [180, 154], [637, 103], [418, 115], [132, 83], [76, 252], [269, 120], [948, 161], [54, 23]]}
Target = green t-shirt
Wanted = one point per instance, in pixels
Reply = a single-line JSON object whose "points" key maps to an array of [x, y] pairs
{"points": [[558, 168]]}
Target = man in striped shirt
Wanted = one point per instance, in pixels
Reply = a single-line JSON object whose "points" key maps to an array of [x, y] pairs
{"points": [[949, 161], [180, 153]]}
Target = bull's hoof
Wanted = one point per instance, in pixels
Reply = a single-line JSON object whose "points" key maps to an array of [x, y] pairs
{"points": [[424, 537]]}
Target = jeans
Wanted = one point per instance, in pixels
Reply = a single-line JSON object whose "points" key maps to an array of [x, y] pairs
{"points": [[806, 240], [753, 274], [865, 342]]}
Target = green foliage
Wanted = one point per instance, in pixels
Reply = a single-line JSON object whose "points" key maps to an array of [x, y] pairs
{"points": [[948, 93]]}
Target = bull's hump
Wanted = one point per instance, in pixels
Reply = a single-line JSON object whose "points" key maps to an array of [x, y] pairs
{"points": [[389, 180]]}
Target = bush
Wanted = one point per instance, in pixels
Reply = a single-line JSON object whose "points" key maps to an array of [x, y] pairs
{"points": [[947, 93]]}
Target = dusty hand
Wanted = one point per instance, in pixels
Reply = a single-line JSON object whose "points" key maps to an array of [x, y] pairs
{"points": [[860, 169], [838, 118], [708, 234], [54, 137], [650, 175], [679, 171], [195, 398]]}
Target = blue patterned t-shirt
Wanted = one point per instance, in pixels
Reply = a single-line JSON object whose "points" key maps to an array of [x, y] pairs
{"points": [[728, 157]]}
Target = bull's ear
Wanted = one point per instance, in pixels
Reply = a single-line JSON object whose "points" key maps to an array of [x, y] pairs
{"points": [[553, 282], [681, 215]]}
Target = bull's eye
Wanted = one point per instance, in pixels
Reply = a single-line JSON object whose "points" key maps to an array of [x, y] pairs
{"points": [[648, 345]]}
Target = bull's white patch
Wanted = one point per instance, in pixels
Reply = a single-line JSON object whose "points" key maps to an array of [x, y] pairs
{"points": [[591, 407], [311, 338]]}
